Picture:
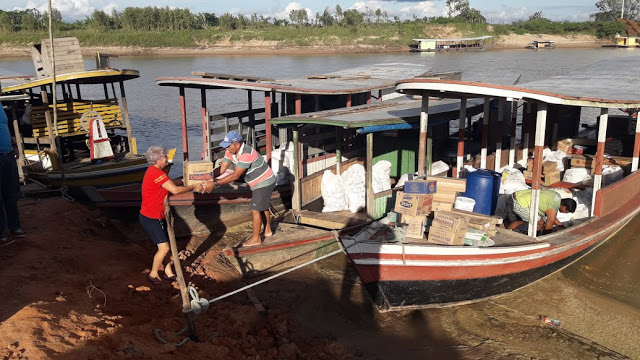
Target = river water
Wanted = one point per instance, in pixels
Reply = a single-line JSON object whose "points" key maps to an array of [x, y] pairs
{"points": [[598, 299]]}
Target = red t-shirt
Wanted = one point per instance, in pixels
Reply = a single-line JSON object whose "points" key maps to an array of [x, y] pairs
{"points": [[153, 193]]}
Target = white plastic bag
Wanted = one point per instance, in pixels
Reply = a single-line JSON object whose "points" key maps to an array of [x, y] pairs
{"points": [[333, 193], [354, 186], [381, 176], [512, 181], [575, 175]]}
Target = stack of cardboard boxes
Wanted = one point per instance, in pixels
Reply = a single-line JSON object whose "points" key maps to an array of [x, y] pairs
{"points": [[447, 190], [414, 205], [447, 228], [550, 172], [195, 172]]}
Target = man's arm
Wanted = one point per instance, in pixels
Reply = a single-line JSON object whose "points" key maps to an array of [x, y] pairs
{"points": [[551, 220], [208, 185]]}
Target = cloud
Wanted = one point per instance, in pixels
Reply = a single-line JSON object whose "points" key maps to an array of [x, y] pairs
{"points": [[71, 10]]}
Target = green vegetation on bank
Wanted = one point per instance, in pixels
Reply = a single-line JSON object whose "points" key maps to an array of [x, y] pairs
{"points": [[165, 27]]}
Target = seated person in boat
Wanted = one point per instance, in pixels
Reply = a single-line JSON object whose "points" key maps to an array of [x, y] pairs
{"points": [[156, 185], [257, 174], [518, 205]]}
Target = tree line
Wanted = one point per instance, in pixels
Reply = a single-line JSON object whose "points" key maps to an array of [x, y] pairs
{"points": [[166, 19]]}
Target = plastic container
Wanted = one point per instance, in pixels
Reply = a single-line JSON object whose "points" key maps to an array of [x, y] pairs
{"points": [[483, 187], [464, 203]]}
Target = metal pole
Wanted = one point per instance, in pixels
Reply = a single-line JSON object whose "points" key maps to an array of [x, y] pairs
{"points": [[636, 148], [127, 121], [512, 145], [485, 132], [461, 132], [541, 124], [205, 120], [422, 141], [602, 137], [267, 124], [370, 200], [297, 193], [498, 157]]}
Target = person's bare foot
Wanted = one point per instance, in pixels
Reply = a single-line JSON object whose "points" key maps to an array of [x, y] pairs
{"points": [[268, 233], [252, 242]]}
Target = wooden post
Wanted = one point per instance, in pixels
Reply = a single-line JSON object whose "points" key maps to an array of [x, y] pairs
{"points": [[636, 148], [348, 100], [485, 132], [183, 122], [541, 124], [602, 137], [461, 132], [175, 256], [526, 128], [498, 157], [19, 144], [47, 117], [422, 141], [339, 135], [267, 124], [205, 120], [208, 138], [512, 144], [429, 153], [125, 113], [370, 200], [380, 95], [297, 192], [251, 133]]}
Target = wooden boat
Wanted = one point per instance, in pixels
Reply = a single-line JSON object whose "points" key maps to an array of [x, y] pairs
{"points": [[537, 45], [389, 123], [54, 150], [419, 274], [445, 45]]}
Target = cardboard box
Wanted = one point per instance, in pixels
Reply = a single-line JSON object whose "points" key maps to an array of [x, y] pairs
{"points": [[419, 187], [445, 197], [441, 206], [195, 172], [552, 177], [565, 146], [449, 220], [476, 217], [549, 166], [442, 236], [413, 205], [528, 175], [449, 185], [415, 225]]}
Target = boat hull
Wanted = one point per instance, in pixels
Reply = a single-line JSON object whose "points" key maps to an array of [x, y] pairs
{"points": [[420, 275], [104, 175]]}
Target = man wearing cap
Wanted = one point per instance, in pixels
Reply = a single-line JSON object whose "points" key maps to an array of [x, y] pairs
{"points": [[257, 174]]}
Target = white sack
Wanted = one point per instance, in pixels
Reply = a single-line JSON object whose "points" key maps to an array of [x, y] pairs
{"points": [[381, 176], [333, 193], [354, 186]]}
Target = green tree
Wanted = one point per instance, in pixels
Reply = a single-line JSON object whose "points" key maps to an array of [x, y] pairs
{"points": [[339, 14], [228, 22], [536, 16], [353, 17], [326, 19], [100, 20], [610, 10], [299, 17]]}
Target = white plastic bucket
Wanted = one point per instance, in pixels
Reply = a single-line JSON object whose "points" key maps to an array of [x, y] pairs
{"points": [[464, 203]]}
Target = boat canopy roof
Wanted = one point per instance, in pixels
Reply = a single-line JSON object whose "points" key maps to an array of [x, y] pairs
{"points": [[99, 76], [458, 39], [383, 113], [350, 81], [604, 84]]}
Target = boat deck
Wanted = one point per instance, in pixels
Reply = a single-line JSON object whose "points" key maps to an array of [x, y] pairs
{"points": [[333, 220]]}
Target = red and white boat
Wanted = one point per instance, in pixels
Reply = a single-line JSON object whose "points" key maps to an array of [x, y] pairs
{"points": [[417, 275]]}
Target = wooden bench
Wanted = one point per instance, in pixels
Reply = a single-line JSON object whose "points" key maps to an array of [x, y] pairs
{"points": [[69, 115]]}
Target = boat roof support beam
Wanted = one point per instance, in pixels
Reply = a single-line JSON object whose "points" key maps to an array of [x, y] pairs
{"points": [[514, 121], [267, 124], [47, 117], [602, 137], [525, 132], [370, 200], [127, 121], [183, 123], [461, 134], [636, 148], [501, 106], [297, 191], [422, 141], [485, 132], [206, 145], [541, 124]]}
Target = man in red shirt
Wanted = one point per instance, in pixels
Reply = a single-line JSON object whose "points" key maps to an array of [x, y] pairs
{"points": [[156, 185]]}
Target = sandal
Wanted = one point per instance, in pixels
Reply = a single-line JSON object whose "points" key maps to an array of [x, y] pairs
{"points": [[155, 281], [172, 277]]}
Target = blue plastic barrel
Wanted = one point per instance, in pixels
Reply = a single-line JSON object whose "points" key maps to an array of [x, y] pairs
{"points": [[483, 187]]}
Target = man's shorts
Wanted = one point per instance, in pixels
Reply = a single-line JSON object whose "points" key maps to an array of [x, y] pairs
{"points": [[260, 198], [155, 228]]}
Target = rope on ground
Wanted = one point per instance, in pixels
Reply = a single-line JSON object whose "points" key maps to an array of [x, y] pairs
{"points": [[197, 303], [92, 287]]}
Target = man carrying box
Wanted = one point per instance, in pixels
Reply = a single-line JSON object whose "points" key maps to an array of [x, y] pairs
{"points": [[518, 206], [257, 174]]}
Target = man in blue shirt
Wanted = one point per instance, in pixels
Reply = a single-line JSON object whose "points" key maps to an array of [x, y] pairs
{"points": [[9, 184]]}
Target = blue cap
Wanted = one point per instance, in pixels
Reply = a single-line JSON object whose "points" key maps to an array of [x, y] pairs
{"points": [[230, 138]]}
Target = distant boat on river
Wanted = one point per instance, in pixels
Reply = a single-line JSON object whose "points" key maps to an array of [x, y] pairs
{"points": [[461, 44]]}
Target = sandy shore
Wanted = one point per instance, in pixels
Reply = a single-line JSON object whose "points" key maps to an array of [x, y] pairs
{"points": [[512, 41]]}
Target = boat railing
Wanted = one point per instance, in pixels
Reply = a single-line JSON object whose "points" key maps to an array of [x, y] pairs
{"points": [[70, 113]]}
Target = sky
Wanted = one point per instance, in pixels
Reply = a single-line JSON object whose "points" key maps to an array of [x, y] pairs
{"points": [[495, 11]]}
